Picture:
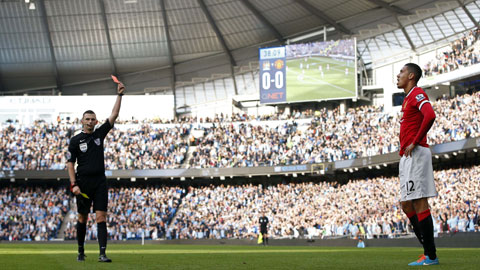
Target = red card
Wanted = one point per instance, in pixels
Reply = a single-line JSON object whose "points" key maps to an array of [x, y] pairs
{"points": [[115, 79]]}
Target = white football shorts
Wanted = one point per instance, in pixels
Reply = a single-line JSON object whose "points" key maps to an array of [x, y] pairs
{"points": [[416, 175]]}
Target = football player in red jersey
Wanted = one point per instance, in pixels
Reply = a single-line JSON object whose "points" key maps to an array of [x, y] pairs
{"points": [[415, 169]]}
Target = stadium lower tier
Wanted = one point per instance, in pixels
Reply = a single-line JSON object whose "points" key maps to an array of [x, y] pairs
{"points": [[360, 208]]}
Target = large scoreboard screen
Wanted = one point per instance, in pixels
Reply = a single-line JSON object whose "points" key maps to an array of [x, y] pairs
{"points": [[308, 72], [272, 75]]}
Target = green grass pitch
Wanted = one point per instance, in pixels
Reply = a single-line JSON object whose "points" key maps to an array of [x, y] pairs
{"points": [[307, 83], [152, 256]]}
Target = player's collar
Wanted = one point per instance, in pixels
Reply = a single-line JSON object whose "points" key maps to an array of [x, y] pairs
{"points": [[411, 91]]}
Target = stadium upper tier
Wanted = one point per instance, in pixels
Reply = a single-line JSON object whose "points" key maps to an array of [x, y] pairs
{"points": [[325, 135], [463, 52]]}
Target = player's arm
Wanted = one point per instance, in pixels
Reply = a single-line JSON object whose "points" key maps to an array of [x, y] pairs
{"points": [[73, 181], [428, 119], [118, 103]]}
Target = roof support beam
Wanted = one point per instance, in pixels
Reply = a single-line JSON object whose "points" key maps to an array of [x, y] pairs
{"points": [[321, 15], [412, 46], [227, 51], [217, 31], [364, 49], [462, 5], [392, 8], [46, 27], [264, 20], [109, 40], [173, 75]]}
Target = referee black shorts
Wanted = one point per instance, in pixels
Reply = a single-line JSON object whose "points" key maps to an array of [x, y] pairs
{"points": [[263, 230], [96, 189]]}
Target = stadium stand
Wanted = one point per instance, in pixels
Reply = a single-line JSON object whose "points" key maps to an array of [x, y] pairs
{"points": [[327, 135], [296, 210], [31, 213], [236, 110], [361, 208], [463, 52], [133, 212], [43, 145]]}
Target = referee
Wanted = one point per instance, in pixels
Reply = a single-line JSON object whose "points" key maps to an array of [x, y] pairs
{"points": [[263, 220], [89, 183]]}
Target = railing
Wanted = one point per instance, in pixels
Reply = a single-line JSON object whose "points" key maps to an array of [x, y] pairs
{"points": [[368, 81]]}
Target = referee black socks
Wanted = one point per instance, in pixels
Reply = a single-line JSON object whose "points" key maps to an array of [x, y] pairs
{"points": [[81, 231], [102, 236]]}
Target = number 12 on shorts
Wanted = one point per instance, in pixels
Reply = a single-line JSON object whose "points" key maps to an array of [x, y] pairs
{"points": [[410, 187]]}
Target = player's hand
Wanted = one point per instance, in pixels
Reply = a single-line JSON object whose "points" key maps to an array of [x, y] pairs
{"points": [[120, 89], [76, 190], [409, 150]]}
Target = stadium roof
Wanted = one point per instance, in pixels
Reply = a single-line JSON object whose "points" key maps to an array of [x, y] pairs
{"points": [[47, 46]]}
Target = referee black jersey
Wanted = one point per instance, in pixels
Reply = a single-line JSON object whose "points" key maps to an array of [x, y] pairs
{"points": [[87, 151], [263, 223]]}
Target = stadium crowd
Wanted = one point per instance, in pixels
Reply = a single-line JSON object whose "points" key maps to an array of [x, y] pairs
{"points": [[146, 147], [361, 208], [220, 118], [463, 52], [31, 213], [133, 212], [330, 136], [300, 138], [43, 145]]}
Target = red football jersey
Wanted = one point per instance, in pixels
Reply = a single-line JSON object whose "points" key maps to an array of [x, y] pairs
{"points": [[412, 118]]}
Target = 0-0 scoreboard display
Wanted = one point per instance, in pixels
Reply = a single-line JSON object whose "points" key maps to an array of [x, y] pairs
{"points": [[306, 72], [272, 63]]}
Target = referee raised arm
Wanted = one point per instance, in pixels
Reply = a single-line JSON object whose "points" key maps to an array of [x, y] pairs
{"points": [[89, 183]]}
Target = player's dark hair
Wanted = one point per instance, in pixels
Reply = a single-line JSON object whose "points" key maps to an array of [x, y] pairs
{"points": [[88, 112], [416, 70]]}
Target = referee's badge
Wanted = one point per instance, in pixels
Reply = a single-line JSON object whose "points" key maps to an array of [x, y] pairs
{"points": [[83, 147], [97, 141]]}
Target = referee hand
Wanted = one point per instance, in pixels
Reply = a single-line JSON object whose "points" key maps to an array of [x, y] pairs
{"points": [[408, 151], [120, 89], [76, 190]]}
